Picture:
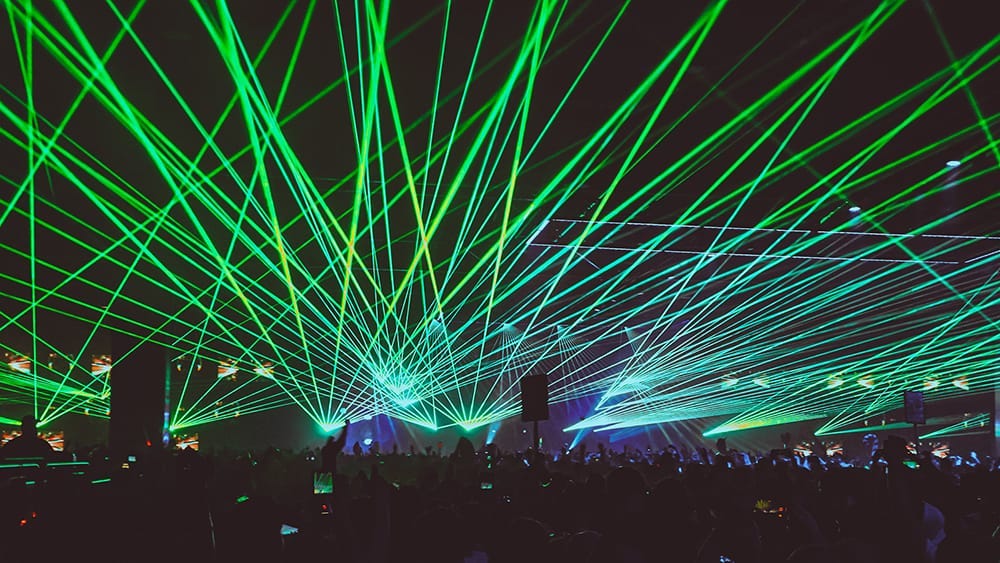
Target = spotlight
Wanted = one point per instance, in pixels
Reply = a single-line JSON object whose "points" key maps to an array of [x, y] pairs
{"points": [[953, 163], [729, 380], [265, 370], [761, 381], [100, 364], [835, 381], [867, 382], [226, 369], [854, 209], [931, 384], [20, 364], [962, 383]]}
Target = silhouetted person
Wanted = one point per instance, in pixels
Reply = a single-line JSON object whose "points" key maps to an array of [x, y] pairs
{"points": [[331, 450], [192, 471], [464, 450], [28, 444]]}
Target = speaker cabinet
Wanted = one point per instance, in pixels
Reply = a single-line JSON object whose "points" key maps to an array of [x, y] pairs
{"points": [[534, 398], [913, 407], [138, 395]]}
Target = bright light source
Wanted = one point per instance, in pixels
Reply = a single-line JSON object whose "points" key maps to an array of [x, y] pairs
{"points": [[494, 427], [866, 382], [953, 163], [331, 426], [100, 364], [265, 370], [835, 381], [729, 380], [962, 383], [20, 364], [226, 369], [761, 381], [931, 384], [470, 425], [854, 209]]}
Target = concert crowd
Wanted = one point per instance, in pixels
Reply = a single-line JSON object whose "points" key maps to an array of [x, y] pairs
{"points": [[485, 504]]}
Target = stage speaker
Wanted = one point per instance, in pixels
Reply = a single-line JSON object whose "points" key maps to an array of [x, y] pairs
{"points": [[913, 407], [139, 374], [534, 398]]}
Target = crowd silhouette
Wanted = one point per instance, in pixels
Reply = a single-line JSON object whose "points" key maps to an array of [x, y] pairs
{"points": [[486, 504]]}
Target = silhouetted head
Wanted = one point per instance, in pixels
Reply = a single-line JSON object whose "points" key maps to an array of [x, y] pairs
{"points": [[464, 448], [29, 426]]}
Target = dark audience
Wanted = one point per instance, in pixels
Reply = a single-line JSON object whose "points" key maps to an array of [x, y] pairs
{"points": [[490, 505]]}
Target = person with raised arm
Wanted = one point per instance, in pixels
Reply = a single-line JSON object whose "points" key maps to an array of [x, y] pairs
{"points": [[329, 453]]}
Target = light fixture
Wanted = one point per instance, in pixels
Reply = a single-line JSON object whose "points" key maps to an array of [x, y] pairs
{"points": [[226, 369], [953, 163], [20, 364]]}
